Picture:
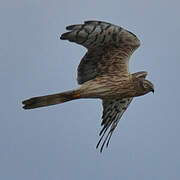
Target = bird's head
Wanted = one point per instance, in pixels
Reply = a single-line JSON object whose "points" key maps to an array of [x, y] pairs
{"points": [[146, 86]]}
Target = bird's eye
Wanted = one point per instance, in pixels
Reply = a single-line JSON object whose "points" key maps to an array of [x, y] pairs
{"points": [[145, 85]]}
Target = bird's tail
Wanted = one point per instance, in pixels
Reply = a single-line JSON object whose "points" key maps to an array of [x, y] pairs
{"points": [[49, 100]]}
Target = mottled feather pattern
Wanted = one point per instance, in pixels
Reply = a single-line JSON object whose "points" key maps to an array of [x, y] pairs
{"points": [[111, 86], [108, 50], [103, 73]]}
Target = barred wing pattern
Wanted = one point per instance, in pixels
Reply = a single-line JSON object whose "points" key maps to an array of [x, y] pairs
{"points": [[109, 48], [93, 34], [112, 112]]}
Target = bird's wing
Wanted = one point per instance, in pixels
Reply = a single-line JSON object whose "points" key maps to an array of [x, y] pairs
{"points": [[112, 112], [109, 48]]}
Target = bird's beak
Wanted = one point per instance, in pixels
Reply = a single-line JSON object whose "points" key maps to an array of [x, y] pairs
{"points": [[152, 90]]}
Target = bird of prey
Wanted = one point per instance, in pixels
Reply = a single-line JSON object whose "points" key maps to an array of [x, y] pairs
{"points": [[102, 73]]}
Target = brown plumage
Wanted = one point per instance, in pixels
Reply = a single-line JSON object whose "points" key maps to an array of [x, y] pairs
{"points": [[102, 73]]}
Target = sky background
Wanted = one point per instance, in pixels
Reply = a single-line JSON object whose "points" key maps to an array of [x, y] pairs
{"points": [[58, 142]]}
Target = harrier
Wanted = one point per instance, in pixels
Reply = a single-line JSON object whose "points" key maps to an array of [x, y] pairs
{"points": [[102, 73]]}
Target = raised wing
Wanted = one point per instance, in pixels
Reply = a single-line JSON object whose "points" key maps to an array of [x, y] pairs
{"points": [[109, 48], [112, 112]]}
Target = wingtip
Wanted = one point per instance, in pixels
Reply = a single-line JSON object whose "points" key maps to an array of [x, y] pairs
{"points": [[62, 37], [70, 27], [74, 27], [66, 36], [101, 150]]}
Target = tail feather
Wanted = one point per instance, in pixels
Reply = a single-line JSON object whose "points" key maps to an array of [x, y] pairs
{"points": [[49, 100]]}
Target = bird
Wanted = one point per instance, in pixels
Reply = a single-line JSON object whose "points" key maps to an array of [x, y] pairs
{"points": [[103, 73]]}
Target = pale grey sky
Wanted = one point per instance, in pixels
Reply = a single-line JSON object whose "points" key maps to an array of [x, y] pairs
{"points": [[59, 142]]}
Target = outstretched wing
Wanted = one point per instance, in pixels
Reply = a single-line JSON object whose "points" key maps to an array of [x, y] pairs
{"points": [[109, 48], [112, 112]]}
